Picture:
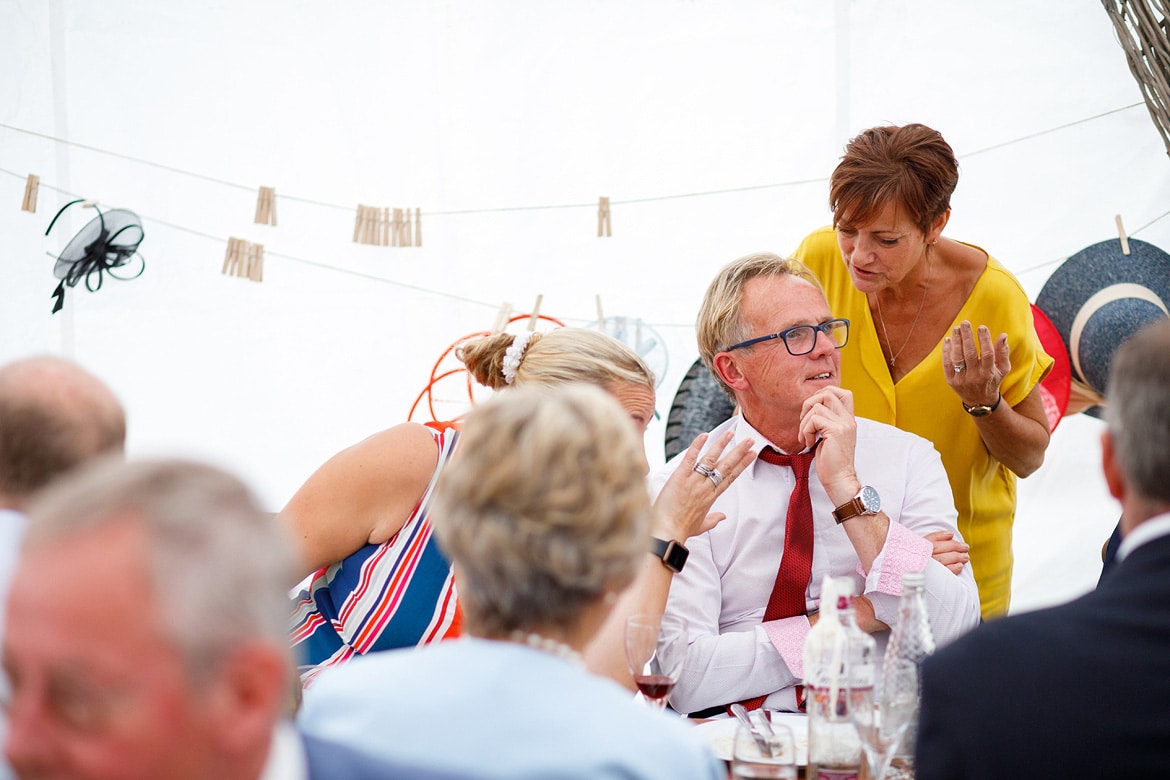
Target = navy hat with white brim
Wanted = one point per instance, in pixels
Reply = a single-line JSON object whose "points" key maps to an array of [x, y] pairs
{"points": [[1100, 297]]}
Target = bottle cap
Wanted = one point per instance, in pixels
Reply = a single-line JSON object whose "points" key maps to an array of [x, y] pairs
{"points": [[844, 586], [913, 579]]}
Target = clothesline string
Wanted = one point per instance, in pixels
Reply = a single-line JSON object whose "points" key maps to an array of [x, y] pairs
{"points": [[441, 293], [450, 296], [493, 210]]}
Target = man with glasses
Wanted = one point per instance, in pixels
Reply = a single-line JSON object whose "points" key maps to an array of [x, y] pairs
{"points": [[829, 494]]}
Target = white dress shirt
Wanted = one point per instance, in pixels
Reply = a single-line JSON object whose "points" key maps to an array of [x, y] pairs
{"points": [[1146, 531], [286, 757], [12, 525], [724, 587]]}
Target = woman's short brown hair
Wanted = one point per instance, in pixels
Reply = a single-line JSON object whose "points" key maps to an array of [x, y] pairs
{"points": [[910, 166]]}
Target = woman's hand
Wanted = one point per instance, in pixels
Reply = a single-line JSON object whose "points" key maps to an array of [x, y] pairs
{"points": [[974, 367], [1016, 436], [949, 551], [682, 509]]}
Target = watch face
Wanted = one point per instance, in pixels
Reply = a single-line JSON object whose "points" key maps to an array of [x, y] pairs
{"points": [[676, 556], [870, 500]]}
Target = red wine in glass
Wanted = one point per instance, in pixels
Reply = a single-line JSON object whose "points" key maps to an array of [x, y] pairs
{"points": [[654, 686], [656, 646]]}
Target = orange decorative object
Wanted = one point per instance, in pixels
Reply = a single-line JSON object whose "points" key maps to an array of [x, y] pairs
{"points": [[456, 379]]}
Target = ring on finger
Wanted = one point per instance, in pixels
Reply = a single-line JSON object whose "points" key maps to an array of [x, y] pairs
{"points": [[960, 368], [715, 476], [704, 469]]}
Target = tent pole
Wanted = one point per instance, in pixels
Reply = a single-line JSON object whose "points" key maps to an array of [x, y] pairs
{"points": [[841, 24], [61, 130]]}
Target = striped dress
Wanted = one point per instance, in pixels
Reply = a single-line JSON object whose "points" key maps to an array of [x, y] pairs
{"points": [[400, 593]]}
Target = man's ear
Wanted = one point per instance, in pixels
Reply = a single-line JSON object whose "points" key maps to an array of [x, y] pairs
{"points": [[1113, 477], [251, 691], [727, 367]]}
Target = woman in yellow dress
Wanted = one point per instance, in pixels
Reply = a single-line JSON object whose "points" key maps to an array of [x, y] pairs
{"points": [[922, 355]]}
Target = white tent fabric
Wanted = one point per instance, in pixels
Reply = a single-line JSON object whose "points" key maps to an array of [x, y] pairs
{"points": [[712, 126]]}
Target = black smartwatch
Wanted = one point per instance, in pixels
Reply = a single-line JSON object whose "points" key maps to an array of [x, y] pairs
{"points": [[673, 554]]}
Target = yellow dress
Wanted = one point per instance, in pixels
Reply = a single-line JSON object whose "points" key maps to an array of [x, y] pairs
{"points": [[923, 403]]}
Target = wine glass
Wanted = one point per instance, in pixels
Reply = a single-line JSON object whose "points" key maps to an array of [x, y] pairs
{"points": [[882, 722], [768, 753], [655, 648]]}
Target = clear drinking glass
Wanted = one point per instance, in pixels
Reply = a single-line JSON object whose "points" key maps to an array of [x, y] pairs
{"points": [[656, 646], [763, 753], [881, 722]]}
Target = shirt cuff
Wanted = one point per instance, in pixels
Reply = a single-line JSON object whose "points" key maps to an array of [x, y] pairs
{"points": [[787, 636], [903, 551]]}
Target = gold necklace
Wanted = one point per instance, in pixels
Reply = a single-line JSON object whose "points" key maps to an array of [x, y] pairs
{"points": [[882, 320]]}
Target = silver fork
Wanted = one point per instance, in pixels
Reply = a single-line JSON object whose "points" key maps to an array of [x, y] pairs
{"points": [[740, 712], [766, 719]]}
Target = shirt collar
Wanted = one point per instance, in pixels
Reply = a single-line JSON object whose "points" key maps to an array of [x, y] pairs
{"points": [[1146, 531], [744, 430], [286, 756]]}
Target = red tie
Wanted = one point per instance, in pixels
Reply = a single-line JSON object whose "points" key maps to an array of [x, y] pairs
{"points": [[787, 598]]}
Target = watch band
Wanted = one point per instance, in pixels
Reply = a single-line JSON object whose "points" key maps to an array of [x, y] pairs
{"points": [[981, 410], [866, 502], [673, 554], [850, 509]]}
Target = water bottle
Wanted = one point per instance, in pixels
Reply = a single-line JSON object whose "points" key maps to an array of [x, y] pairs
{"points": [[838, 658], [911, 640]]}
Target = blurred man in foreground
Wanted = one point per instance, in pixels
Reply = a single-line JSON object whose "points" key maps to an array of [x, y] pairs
{"points": [[54, 416], [146, 634], [1082, 689]]}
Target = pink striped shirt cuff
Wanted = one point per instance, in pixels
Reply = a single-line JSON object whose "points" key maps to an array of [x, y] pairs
{"points": [[787, 636], [904, 551]]}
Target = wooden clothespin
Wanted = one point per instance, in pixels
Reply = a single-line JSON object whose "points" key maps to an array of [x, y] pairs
{"points": [[502, 318], [1121, 234], [244, 259], [603, 226], [256, 262], [374, 226], [600, 316], [357, 223], [231, 257], [535, 313], [30, 193], [417, 227], [385, 235], [266, 206], [396, 232]]}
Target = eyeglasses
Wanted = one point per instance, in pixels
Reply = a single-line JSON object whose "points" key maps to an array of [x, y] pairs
{"points": [[802, 339]]}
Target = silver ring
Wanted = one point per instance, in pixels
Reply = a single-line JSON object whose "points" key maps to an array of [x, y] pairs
{"points": [[715, 477], [960, 368], [706, 471]]}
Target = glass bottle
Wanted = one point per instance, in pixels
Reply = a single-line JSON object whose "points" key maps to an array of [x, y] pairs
{"points": [[838, 656], [912, 640]]}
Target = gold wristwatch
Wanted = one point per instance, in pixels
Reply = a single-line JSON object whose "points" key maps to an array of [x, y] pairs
{"points": [[981, 410]]}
